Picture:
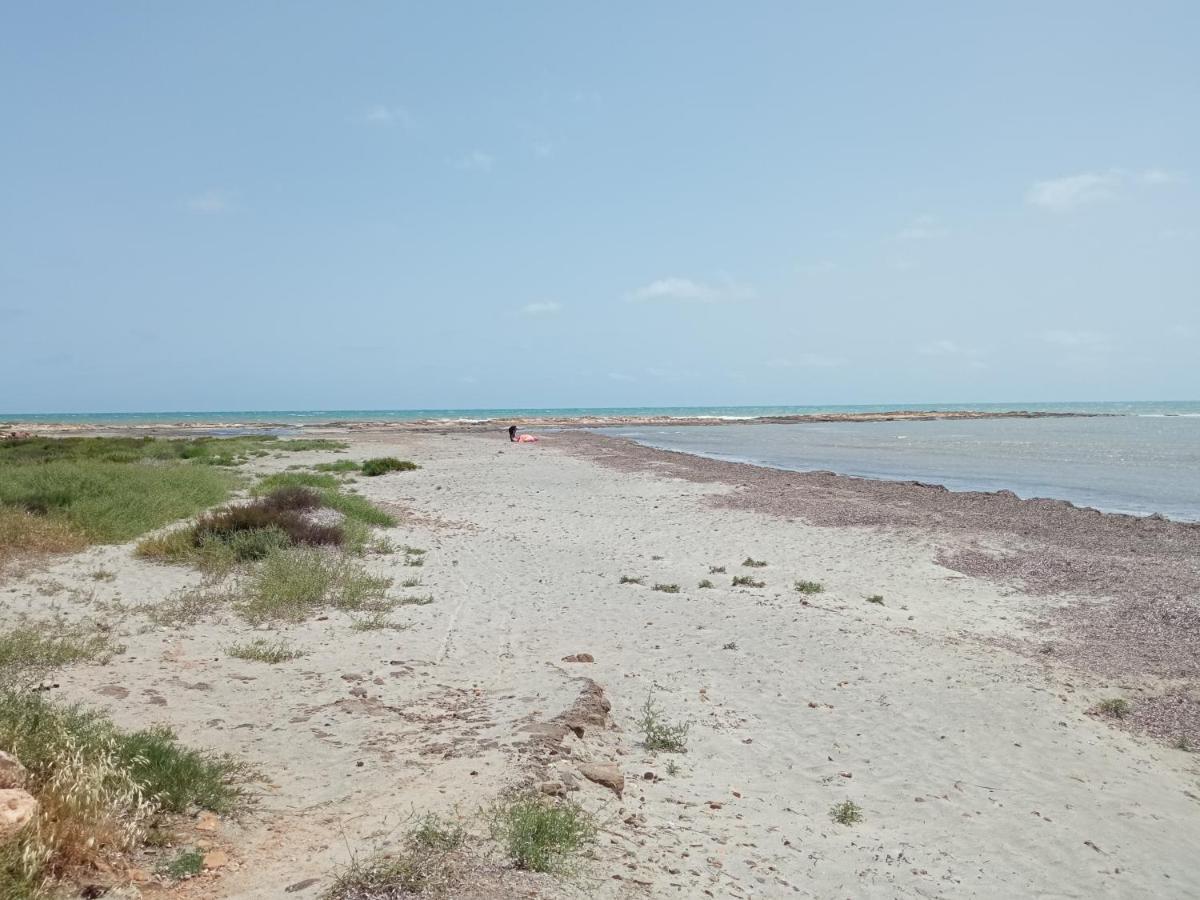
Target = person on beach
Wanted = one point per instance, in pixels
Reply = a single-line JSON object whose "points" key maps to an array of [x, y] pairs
{"points": [[520, 438]]}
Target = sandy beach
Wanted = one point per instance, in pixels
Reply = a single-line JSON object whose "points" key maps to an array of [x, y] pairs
{"points": [[954, 710]]}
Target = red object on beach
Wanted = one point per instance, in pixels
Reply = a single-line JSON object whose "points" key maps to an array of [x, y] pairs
{"points": [[527, 439]]}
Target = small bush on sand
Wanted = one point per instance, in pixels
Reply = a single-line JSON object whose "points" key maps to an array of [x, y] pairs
{"points": [[747, 581], [384, 464], [666, 588], [846, 813], [262, 650], [705, 583], [658, 732], [188, 606], [377, 621], [877, 599], [184, 864], [294, 584], [1114, 707], [342, 465], [352, 506], [754, 563], [809, 587], [29, 653], [716, 570], [632, 579], [422, 866], [98, 787], [541, 834], [411, 582]]}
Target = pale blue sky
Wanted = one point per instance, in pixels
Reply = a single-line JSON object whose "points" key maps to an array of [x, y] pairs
{"points": [[385, 205]]}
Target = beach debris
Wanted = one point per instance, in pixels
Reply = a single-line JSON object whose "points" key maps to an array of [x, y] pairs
{"points": [[579, 658], [604, 774], [215, 859]]}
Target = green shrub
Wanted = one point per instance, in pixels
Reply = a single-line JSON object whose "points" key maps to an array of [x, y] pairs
{"points": [[261, 650], [342, 465], [1114, 707], [666, 588], [294, 584], [747, 581], [846, 813], [183, 864], [658, 732], [540, 834], [754, 563], [29, 653], [809, 587], [384, 464]]}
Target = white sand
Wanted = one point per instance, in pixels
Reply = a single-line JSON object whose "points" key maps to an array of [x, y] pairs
{"points": [[978, 773]]}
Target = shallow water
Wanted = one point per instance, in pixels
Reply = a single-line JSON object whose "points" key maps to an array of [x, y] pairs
{"points": [[1139, 464]]}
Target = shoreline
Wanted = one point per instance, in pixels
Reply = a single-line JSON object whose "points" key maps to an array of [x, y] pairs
{"points": [[548, 421], [586, 566]]}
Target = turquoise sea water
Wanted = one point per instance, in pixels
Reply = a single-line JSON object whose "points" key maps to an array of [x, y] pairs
{"points": [[318, 416]]}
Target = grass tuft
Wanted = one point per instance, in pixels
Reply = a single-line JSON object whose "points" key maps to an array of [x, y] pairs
{"points": [[705, 583], [809, 587], [666, 588], [1114, 707], [384, 464], [540, 834], [632, 579], [716, 570], [747, 581], [877, 599], [184, 864], [658, 732], [846, 813], [754, 563], [261, 650], [29, 653], [294, 584]]}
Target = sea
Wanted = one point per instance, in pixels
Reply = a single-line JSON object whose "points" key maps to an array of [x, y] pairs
{"points": [[1137, 457]]}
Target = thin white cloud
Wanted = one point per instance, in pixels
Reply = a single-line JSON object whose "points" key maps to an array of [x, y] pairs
{"points": [[1062, 195], [546, 308], [952, 350], [686, 290], [1159, 177], [1076, 340], [380, 114], [806, 361], [476, 161], [212, 202], [922, 228]]}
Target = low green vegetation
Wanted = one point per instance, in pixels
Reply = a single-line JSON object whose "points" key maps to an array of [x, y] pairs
{"points": [[295, 584], [808, 587], [262, 650], [705, 583], [384, 464], [341, 465], [876, 599], [415, 600], [411, 582], [632, 579], [716, 570], [184, 864], [666, 588], [1114, 707], [541, 834], [61, 494], [188, 606], [377, 621], [747, 581], [659, 732], [282, 515], [29, 653], [422, 866], [99, 788], [846, 813], [752, 563]]}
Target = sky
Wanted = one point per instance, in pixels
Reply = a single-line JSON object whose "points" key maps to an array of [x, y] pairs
{"points": [[237, 206]]}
